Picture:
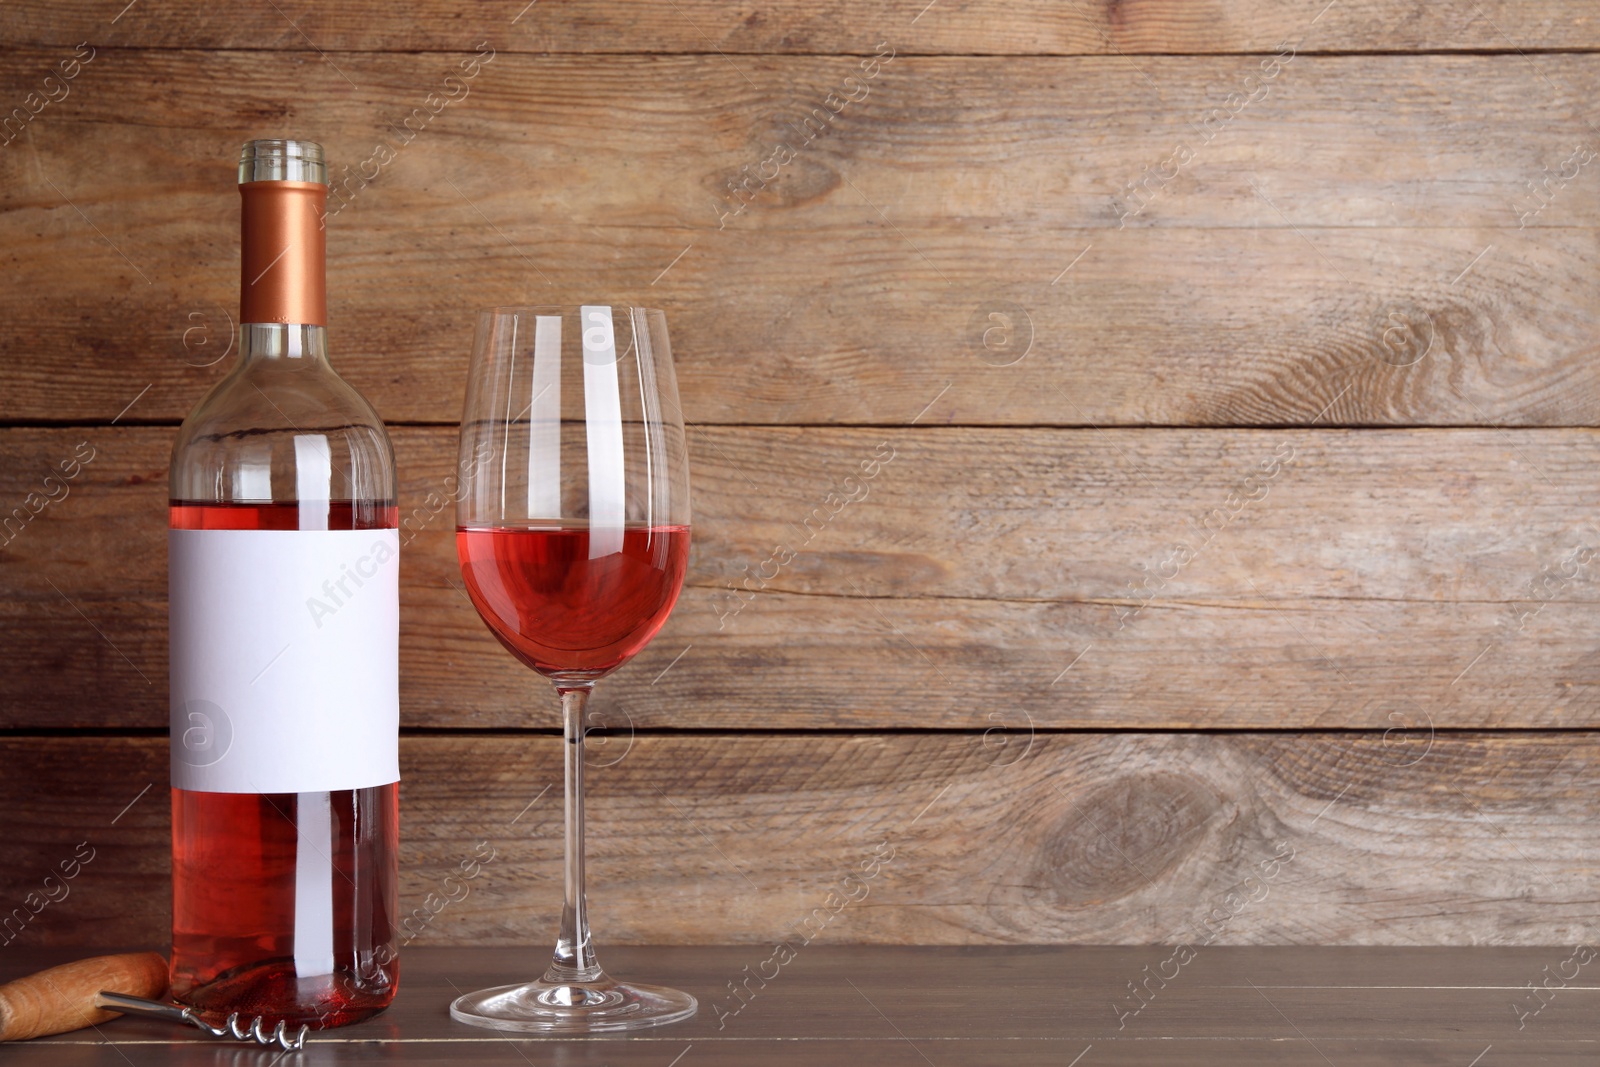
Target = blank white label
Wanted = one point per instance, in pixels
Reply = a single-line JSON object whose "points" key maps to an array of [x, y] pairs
{"points": [[285, 652]]}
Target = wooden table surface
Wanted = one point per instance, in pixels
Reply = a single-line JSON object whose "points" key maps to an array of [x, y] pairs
{"points": [[953, 1006]]}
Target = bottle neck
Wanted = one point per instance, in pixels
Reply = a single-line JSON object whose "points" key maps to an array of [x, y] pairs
{"points": [[288, 346], [282, 276]]}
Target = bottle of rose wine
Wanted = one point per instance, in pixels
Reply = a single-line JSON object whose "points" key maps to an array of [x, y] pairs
{"points": [[284, 619]]}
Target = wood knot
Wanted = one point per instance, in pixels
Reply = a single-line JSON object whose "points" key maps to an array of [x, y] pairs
{"points": [[1124, 835]]}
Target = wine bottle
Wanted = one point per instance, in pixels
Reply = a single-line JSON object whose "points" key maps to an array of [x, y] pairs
{"points": [[283, 558]]}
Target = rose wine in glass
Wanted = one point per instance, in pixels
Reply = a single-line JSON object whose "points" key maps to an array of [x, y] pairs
{"points": [[573, 535], [558, 609], [284, 622]]}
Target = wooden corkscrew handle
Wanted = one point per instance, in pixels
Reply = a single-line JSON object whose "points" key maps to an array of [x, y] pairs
{"points": [[62, 998]]}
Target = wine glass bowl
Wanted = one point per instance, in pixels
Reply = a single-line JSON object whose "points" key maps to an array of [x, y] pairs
{"points": [[572, 528], [563, 612]]}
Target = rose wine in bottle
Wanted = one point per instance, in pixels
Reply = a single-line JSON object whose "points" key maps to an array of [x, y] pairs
{"points": [[284, 617]]}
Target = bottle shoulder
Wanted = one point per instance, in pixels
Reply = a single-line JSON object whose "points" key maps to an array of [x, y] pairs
{"points": [[262, 432], [280, 393]]}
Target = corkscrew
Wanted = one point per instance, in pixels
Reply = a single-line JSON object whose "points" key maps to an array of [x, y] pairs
{"points": [[155, 1009], [64, 998]]}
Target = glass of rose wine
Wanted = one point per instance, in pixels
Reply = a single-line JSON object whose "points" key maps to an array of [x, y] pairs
{"points": [[573, 530]]}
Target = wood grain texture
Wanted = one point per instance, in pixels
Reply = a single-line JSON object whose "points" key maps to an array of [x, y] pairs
{"points": [[61, 999], [1087, 838], [1240, 413], [1310, 263], [1067, 578], [1093, 27], [963, 1006], [166, 1050]]}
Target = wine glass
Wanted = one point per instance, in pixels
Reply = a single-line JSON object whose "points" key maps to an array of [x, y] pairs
{"points": [[572, 526]]}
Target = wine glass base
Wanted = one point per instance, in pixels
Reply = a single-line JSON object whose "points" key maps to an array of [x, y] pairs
{"points": [[573, 1008]]}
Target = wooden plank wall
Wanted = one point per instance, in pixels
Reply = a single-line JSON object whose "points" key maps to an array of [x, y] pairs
{"points": [[1231, 366]]}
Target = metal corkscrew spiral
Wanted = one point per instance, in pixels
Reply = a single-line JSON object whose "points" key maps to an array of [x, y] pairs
{"points": [[254, 1031]]}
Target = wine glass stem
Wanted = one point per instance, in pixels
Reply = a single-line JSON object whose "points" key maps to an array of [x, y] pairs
{"points": [[574, 956]]}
